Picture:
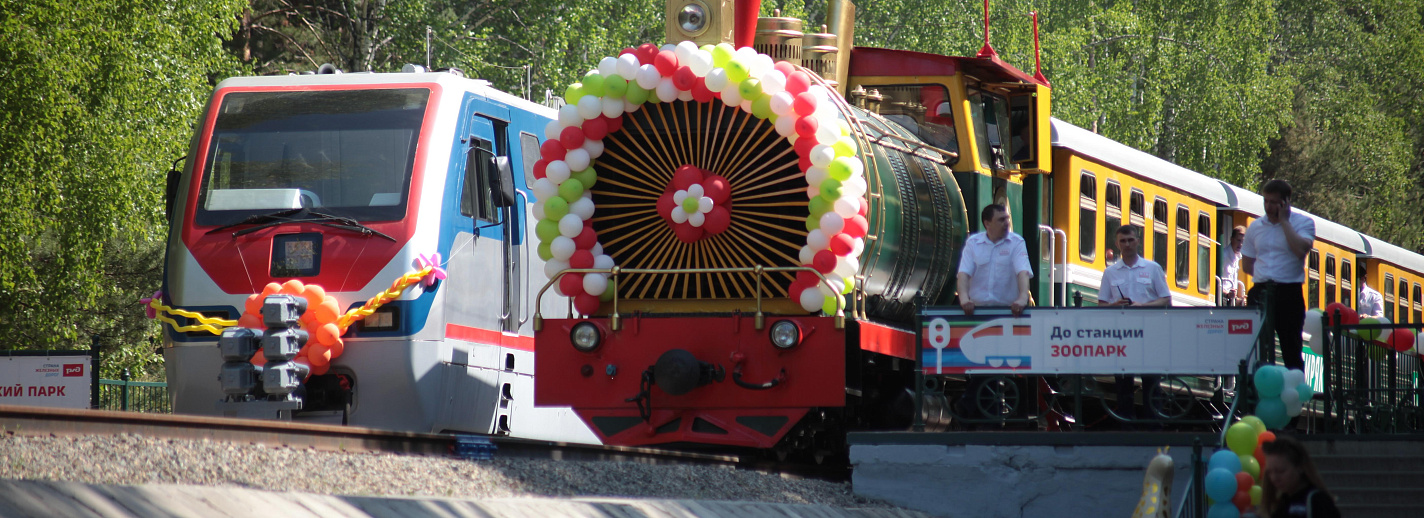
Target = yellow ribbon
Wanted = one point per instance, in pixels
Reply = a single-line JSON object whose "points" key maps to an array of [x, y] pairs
{"points": [[212, 325]]}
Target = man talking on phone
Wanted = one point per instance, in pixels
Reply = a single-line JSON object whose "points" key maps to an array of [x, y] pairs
{"points": [[1274, 256]]}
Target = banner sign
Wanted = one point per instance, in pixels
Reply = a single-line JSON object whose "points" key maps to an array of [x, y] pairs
{"points": [[1088, 340], [48, 381]]}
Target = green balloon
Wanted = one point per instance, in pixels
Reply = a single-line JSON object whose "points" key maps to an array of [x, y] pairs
{"points": [[750, 88], [607, 295], [615, 86], [736, 71], [571, 190], [545, 251], [587, 177], [812, 223], [689, 205], [547, 229], [1368, 334], [1255, 423], [1241, 438], [636, 94], [593, 84], [721, 54], [839, 169], [706, 48], [829, 306], [573, 93], [555, 208], [830, 188], [818, 206], [761, 108]]}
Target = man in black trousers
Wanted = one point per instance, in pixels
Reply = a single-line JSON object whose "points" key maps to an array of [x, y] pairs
{"points": [[1274, 256]]}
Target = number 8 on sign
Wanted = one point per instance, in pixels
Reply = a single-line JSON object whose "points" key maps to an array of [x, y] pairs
{"points": [[939, 339]]}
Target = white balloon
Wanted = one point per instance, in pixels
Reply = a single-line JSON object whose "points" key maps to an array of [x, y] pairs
{"points": [[773, 82], [747, 105], [854, 186], [668, 46], [760, 65], [595, 283], [816, 174], [701, 63], [601, 260], [832, 223], [820, 92], [678, 215], [1294, 377], [538, 209], [684, 51], [587, 194], [704, 205], [732, 96], [583, 208], [553, 266], [811, 300], [627, 66], [845, 206], [806, 255], [597, 250], [556, 127], [857, 168], [611, 107], [648, 77], [563, 248], [667, 92], [859, 247], [744, 54], [785, 126], [629, 107], [678, 197], [696, 219], [822, 154], [813, 191], [1315, 328], [717, 79], [817, 240], [594, 148], [557, 171], [1293, 408], [544, 189], [827, 133], [845, 267], [1290, 395], [684, 95], [693, 191], [570, 225], [608, 66], [792, 138], [831, 287], [781, 104], [577, 159], [590, 106]]}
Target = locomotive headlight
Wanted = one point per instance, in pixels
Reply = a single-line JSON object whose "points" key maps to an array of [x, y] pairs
{"points": [[585, 337], [785, 334], [692, 19]]}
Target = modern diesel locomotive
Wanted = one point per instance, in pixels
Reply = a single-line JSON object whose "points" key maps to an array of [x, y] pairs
{"points": [[782, 322]]}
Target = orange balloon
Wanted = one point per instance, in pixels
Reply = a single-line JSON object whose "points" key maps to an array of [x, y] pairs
{"points": [[254, 304], [250, 320], [327, 311], [328, 334], [318, 355], [1265, 437], [293, 287], [258, 359], [337, 348], [318, 370], [314, 294], [271, 288]]}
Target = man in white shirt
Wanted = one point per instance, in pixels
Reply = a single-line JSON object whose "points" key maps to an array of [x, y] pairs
{"points": [[1371, 303], [1133, 281], [994, 269], [1231, 290], [1273, 254]]}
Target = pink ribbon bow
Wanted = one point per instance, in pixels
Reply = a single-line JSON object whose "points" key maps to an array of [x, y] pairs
{"points": [[147, 307]]}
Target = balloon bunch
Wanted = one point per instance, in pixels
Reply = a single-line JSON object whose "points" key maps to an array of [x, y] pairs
{"points": [[1233, 475], [698, 202], [1282, 394], [1400, 340], [320, 320]]}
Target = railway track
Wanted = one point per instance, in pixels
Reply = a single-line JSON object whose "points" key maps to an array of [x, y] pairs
{"points": [[24, 420]]}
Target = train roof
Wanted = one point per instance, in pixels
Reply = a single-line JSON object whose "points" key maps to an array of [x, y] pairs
{"points": [[1395, 255], [1136, 162], [1252, 203], [447, 79]]}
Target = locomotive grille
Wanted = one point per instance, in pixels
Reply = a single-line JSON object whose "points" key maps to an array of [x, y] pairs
{"points": [[768, 201]]}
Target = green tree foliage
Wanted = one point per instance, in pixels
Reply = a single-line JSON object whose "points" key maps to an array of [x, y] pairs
{"points": [[98, 99]]}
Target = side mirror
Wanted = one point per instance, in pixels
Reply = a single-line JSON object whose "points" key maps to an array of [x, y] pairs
{"points": [[1023, 137], [501, 182], [170, 192]]}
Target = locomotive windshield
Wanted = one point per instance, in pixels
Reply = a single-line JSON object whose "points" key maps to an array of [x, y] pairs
{"points": [[925, 110], [348, 152]]}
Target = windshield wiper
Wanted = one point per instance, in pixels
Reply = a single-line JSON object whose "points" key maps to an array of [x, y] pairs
{"points": [[278, 216], [319, 218]]}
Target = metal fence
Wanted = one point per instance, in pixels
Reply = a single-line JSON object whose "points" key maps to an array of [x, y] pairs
{"points": [[138, 396]]}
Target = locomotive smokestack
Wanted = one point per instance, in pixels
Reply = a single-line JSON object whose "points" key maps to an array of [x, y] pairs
{"points": [[840, 18]]}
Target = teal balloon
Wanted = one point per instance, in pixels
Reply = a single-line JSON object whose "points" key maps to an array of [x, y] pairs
{"points": [[636, 94], [571, 190], [593, 84], [1270, 380], [1223, 510], [615, 86], [1271, 411], [1241, 438], [831, 188], [555, 208], [1221, 485], [547, 229], [1224, 459], [1306, 391]]}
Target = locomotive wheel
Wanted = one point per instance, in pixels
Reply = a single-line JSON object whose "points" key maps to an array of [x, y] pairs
{"points": [[997, 397], [1172, 399]]}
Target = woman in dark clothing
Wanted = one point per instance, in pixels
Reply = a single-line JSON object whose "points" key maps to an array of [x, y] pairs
{"points": [[1290, 486]]}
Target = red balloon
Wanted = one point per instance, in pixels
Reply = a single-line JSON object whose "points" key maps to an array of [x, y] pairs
{"points": [[586, 304], [615, 124], [571, 284], [803, 146], [683, 78], [805, 278], [585, 241], [794, 291], [1242, 500], [626, 50], [581, 259], [686, 176], [797, 82], [785, 67], [842, 245], [687, 233], [665, 206], [646, 53], [595, 128], [1400, 339], [856, 226], [806, 126], [804, 104], [1348, 316], [824, 262], [700, 93], [716, 187], [863, 207], [666, 63], [717, 221], [552, 149], [1244, 481], [804, 162], [258, 358], [541, 168], [571, 137]]}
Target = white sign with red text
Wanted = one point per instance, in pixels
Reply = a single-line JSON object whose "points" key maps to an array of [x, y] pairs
{"points": [[1090, 341], [48, 381]]}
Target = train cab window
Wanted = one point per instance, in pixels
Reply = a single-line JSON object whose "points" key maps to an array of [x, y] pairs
{"points": [[1183, 264], [1329, 279], [1347, 290], [990, 118], [1403, 301], [1389, 296], [1087, 216], [529, 152], [1159, 232], [1112, 220], [924, 110], [1312, 280], [478, 199], [1418, 305], [1204, 242], [1135, 215]]}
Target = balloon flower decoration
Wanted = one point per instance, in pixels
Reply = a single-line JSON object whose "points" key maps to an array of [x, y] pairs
{"points": [[697, 204], [1233, 477]]}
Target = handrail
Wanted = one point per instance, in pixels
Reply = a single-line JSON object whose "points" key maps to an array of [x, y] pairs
{"points": [[615, 271], [1052, 261], [1067, 271], [524, 315]]}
